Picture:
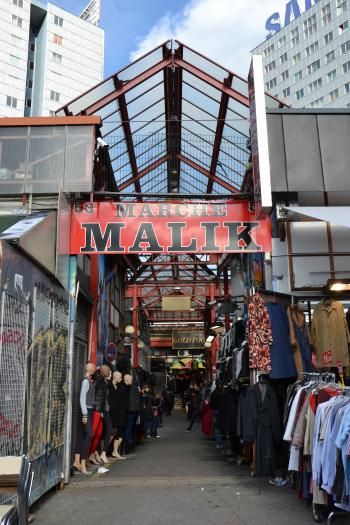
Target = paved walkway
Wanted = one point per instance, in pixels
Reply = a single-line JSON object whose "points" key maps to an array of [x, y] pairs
{"points": [[180, 479]]}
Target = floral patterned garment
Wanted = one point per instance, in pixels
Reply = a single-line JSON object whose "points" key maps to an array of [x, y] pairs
{"points": [[259, 335]]}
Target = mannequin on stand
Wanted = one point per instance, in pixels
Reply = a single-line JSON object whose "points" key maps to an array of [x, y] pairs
{"points": [[118, 404], [87, 405]]}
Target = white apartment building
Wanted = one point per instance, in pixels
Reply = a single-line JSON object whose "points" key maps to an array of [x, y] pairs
{"points": [[47, 57], [307, 62]]}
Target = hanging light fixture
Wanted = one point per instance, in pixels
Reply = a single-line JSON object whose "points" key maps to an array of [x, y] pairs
{"points": [[129, 330]]}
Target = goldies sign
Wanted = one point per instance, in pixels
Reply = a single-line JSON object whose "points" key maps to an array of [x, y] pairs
{"points": [[168, 227]]}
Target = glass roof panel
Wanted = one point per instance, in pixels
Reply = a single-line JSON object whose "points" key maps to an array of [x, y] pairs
{"points": [[201, 100], [193, 151], [197, 128], [205, 88], [239, 141], [240, 85], [140, 89], [218, 190], [148, 99], [140, 138], [141, 65], [145, 160], [94, 95], [156, 112], [116, 143], [239, 108], [239, 126], [197, 114], [205, 64]]}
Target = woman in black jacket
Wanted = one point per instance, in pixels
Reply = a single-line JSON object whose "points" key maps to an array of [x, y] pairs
{"points": [[118, 399]]}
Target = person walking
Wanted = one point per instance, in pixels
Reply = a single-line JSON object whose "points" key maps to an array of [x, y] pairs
{"points": [[196, 403], [146, 412]]}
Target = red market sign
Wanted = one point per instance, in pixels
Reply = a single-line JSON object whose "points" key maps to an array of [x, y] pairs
{"points": [[168, 227]]}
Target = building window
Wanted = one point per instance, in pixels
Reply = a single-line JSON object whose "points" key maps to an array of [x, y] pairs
{"points": [[269, 50], [283, 58], [298, 76], [282, 41], [30, 64], [345, 47], [270, 66], [271, 84], [341, 6], [294, 37], [299, 94], [317, 103], [285, 75], [332, 75], [326, 14], [313, 67], [316, 84], [17, 20], [51, 113], [32, 47], [343, 27], [296, 58], [54, 96], [15, 40], [29, 83], [57, 58], [310, 26], [28, 102], [11, 102], [14, 81], [58, 21], [330, 57], [328, 38], [286, 92], [311, 49], [346, 67], [333, 95], [57, 40], [19, 3], [347, 88], [14, 61]]}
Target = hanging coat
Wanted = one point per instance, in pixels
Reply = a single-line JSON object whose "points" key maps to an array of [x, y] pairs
{"points": [[263, 426]]}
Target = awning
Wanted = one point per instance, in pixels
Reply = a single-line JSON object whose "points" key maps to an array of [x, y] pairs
{"points": [[35, 234], [338, 215]]}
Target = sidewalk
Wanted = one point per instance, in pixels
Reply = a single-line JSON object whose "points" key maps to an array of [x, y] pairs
{"points": [[180, 479]]}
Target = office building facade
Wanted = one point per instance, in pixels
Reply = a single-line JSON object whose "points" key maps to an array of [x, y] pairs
{"points": [[47, 57], [307, 62]]}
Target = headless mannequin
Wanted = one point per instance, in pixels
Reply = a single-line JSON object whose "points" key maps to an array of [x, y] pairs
{"points": [[116, 383], [80, 464]]}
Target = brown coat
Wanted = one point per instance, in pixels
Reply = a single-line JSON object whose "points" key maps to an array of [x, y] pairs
{"points": [[295, 315], [331, 334]]}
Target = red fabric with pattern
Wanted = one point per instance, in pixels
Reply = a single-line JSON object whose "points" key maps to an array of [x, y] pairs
{"points": [[259, 335]]}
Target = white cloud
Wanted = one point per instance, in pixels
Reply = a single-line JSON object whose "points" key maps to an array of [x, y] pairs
{"points": [[224, 30]]}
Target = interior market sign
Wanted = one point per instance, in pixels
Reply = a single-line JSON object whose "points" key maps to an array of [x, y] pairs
{"points": [[168, 227]]}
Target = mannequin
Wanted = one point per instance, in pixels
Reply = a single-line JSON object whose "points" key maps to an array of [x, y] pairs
{"points": [[87, 405], [118, 403], [101, 377]]}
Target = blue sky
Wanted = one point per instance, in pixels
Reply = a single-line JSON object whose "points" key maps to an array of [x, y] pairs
{"points": [[125, 22], [224, 30]]}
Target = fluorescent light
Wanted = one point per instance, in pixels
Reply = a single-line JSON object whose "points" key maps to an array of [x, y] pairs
{"points": [[339, 287], [210, 338]]}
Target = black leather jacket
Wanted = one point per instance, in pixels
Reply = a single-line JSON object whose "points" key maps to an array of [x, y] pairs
{"points": [[100, 392]]}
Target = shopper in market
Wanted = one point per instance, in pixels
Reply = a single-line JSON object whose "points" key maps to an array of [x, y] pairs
{"points": [[133, 412], [87, 405], [146, 411], [196, 404]]}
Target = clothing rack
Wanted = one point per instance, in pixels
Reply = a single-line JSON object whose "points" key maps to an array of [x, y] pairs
{"points": [[326, 377]]}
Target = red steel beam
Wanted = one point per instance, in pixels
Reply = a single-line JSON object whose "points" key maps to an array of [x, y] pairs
{"points": [[145, 75], [207, 173], [236, 95], [218, 134], [143, 172], [124, 114]]}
